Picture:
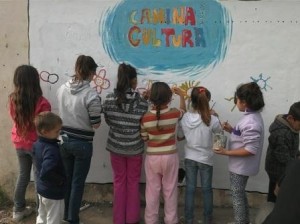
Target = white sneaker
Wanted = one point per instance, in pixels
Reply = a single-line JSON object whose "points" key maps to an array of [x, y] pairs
{"points": [[18, 216]]}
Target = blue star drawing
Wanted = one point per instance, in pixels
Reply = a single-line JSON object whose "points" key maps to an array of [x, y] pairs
{"points": [[262, 82]]}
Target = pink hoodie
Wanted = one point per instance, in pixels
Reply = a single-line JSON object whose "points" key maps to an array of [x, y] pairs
{"points": [[31, 136]]}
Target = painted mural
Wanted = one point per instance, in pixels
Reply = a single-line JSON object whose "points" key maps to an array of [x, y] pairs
{"points": [[187, 38], [185, 43]]}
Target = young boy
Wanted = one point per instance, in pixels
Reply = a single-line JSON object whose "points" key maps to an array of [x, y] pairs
{"points": [[283, 146], [50, 170]]}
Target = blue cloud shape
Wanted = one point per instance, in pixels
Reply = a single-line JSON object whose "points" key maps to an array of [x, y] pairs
{"points": [[186, 38]]}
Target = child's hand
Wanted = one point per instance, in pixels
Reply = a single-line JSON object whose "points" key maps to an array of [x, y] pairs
{"points": [[220, 151], [227, 127], [178, 91], [146, 94], [180, 138], [213, 112], [95, 126]]}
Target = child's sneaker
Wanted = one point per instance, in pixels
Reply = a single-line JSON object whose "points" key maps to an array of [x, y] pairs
{"points": [[18, 216]]}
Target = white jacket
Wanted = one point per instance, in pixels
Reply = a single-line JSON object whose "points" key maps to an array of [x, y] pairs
{"points": [[199, 137]]}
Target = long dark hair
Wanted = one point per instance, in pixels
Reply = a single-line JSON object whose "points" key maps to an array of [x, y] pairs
{"points": [[160, 95], [126, 73], [84, 66], [251, 94], [27, 91], [200, 102]]}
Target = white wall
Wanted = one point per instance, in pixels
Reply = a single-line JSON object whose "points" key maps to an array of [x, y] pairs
{"points": [[263, 48]]}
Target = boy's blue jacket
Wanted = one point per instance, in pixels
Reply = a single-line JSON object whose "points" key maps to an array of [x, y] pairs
{"points": [[50, 172]]}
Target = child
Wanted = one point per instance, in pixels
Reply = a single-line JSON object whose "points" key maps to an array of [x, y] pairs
{"points": [[245, 146], [161, 162], [79, 107], [123, 110], [51, 177], [25, 102], [198, 126], [283, 146]]}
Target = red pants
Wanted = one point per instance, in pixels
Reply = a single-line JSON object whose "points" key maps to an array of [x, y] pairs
{"points": [[126, 201]]}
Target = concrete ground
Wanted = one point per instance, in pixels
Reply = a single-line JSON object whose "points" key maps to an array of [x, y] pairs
{"points": [[102, 214]]}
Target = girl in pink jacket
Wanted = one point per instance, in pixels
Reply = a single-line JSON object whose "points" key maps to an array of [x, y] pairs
{"points": [[25, 102]]}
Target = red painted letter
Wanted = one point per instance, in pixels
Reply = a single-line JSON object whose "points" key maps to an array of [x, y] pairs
{"points": [[168, 32], [134, 42]]}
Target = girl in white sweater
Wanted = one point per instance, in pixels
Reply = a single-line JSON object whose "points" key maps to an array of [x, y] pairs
{"points": [[198, 126]]}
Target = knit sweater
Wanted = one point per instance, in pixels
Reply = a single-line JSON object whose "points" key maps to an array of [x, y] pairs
{"points": [[283, 147], [160, 140], [124, 123]]}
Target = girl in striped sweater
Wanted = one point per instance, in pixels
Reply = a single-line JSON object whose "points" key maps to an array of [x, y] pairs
{"points": [[123, 110], [158, 128]]}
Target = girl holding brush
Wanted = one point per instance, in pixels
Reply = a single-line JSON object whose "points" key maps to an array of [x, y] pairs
{"points": [[198, 126]]}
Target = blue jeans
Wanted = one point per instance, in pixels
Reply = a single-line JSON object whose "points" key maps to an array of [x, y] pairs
{"points": [[76, 155], [25, 163], [206, 171]]}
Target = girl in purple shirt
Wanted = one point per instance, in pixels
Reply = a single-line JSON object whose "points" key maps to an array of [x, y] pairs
{"points": [[245, 146]]}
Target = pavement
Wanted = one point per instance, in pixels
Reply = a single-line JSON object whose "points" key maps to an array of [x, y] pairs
{"points": [[102, 214]]}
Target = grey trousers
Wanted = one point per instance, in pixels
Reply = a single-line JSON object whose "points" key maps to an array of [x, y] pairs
{"points": [[25, 159]]}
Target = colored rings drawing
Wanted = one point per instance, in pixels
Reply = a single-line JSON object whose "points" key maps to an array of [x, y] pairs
{"points": [[51, 78]]}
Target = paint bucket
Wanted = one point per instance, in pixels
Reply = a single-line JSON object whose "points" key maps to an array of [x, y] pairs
{"points": [[219, 140]]}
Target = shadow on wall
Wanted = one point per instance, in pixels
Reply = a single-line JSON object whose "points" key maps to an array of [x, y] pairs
{"points": [[4, 199]]}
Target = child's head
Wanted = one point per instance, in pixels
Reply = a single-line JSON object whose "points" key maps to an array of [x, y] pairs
{"points": [[200, 97], [160, 96], [48, 124], [26, 93], [127, 77], [27, 80], [85, 68], [294, 116], [249, 97]]}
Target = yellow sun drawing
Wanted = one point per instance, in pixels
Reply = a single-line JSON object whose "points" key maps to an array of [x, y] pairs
{"points": [[187, 87]]}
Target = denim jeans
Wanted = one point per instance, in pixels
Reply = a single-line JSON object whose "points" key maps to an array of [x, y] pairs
{"points": [[25, 163], [206, 171], [76, 155]]}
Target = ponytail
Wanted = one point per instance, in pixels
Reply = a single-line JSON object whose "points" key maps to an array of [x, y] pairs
{"points": [[125, 74], [200, 98]]}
